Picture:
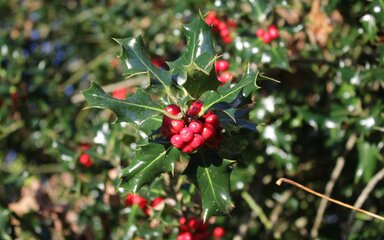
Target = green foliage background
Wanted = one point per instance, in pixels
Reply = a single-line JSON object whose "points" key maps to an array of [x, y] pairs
{"points": [[328, 109]]}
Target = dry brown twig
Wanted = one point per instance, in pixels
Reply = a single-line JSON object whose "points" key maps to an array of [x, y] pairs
{"points": [[286, 180]]}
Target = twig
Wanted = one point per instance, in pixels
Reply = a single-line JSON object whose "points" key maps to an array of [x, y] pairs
{"points": [[328, 190], [77, 98], [281, 180], [340, 162], [275, 214], [90, 65], [364, 195], [256, 209]]}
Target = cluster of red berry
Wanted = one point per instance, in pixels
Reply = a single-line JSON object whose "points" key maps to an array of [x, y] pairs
{"points": [[221, 26], [142, 203], [223, 75], [85, 159], [195, 229], [191, 132], [268, 36]]}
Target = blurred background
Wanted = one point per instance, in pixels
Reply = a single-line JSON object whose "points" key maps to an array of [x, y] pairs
{"points": [[322, 125]]}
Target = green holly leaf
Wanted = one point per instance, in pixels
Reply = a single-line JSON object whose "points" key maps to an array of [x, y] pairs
{"points": [[260, 9], [368, 155], [136, 61], [199, 53], [199, 82], [210, 174], [228, 93], [150, 161], [279, 58], [137, 108]]}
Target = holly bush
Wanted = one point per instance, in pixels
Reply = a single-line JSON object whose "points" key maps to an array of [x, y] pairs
{"points": [[193, 129]]}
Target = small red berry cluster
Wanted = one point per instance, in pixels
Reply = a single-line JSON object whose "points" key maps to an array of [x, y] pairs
{"points": [[196, 229], [85, 159], [193, 229], [142, 203], [191, 132], [222, 27], [223, 75], [268, 36]]}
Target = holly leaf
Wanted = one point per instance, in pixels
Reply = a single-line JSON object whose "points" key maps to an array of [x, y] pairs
{"points": [[136, 61], [150, 161], [137, 108], [228, 93], [199, 53], [198, 82], [279, 58], [260, 9], [210, 174]]}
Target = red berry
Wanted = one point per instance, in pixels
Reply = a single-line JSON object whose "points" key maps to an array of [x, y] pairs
{"points": [[207, 114], [158, 62], [177, 141], [266, 37], [173, 109], [165, 132], [273, 31], [85, 160], [224, 32], [14, 96], [176, 125], [218, 232], [227, 39], [187, 149], [186, 134], [185, 236], [208, 131], [85, 146], [195, 108], [215, 23], [197, 141], [114, 62], [225, 77], [213, 120], [147, 211], [156, 201], [135, 199], [222, 26], [199, 226], [182, 221], [192, 222], [222, 65], [196, 126], [232, 23], [120, 93], [210, 18], [260, 32], [202, 236]]}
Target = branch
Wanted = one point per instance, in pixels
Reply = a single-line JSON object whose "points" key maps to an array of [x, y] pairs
{"points": [[364, 195], [330, 184], [281, 180], [77, 98], [328, 190]]}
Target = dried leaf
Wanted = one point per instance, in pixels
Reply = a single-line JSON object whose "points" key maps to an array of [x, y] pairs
{"points": [[319, 25]]}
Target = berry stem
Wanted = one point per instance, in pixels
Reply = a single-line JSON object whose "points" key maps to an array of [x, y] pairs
{"points": [[286, 180]]}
